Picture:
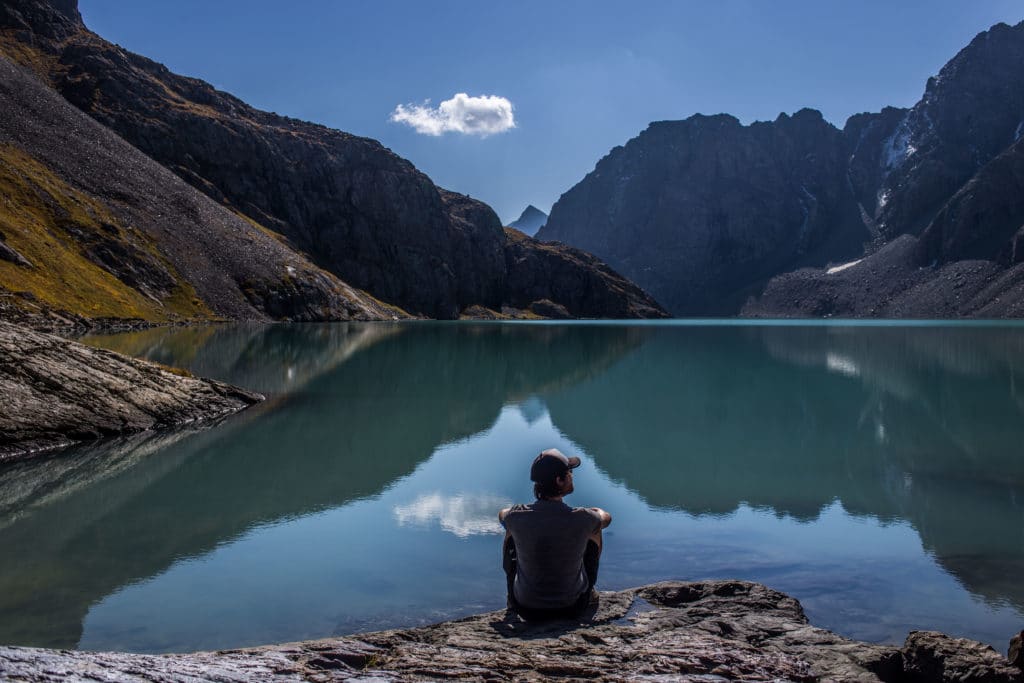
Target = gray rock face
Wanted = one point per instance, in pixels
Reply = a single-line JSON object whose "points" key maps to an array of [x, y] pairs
{"points": [[708, 631], [54, 392]]}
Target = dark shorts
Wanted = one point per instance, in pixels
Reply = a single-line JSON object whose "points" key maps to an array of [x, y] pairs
{"points": [[591, 562]]}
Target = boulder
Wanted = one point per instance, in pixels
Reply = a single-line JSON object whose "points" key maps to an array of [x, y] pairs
{"points": [[932, 656]]}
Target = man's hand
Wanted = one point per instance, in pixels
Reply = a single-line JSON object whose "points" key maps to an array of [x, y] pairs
{"points": [[606, 518]]}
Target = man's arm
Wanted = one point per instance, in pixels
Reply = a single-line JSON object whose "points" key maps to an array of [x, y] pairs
{"points": [[502, 514]]}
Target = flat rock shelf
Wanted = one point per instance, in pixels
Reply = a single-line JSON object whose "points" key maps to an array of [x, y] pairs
{"points": [[671, 631], [54, 393]]}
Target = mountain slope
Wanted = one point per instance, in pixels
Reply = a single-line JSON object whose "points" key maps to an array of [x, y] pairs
{"points": [[704, 212], [355, 208], [94, 228]]}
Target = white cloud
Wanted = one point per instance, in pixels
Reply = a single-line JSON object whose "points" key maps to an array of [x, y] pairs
{"points": [[461, 514], [483, 116]]}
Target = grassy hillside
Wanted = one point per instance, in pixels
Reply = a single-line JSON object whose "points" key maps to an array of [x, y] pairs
{"points": [[79, 254]]}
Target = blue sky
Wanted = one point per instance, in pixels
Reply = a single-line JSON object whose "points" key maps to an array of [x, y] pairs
{"points": [[581, 77]]}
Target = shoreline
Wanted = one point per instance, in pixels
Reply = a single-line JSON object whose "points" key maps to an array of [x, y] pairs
{"points": [[678, 631]]}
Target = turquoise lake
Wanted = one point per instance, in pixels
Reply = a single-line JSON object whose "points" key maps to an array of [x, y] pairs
{"points": [[875, 472]]}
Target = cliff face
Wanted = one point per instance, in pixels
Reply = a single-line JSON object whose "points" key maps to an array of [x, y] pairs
{"points": [[703, 212], [355, 208]]}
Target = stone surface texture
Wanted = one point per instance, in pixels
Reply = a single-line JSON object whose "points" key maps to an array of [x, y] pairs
{"points": [[672, 631], [54, 392]]}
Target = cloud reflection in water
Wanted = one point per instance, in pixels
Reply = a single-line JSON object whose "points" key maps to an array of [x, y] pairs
{"points": [[463, 514]]}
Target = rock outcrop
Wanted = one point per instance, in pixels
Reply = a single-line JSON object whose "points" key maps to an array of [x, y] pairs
{"points": [[708, 631], [56, 392], [702, 213], [530, 221], [357, 210]]}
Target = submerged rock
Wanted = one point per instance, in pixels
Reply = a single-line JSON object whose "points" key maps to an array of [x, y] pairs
{"points": [[707, 631], [54, 392]]}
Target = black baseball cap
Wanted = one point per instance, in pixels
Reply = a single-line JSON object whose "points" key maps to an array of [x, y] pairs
{"points": [[551, 464]]}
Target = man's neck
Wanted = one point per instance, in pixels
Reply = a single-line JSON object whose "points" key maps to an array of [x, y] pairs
{"points": [[556, 499]]}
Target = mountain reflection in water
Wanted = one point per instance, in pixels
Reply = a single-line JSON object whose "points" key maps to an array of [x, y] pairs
{"points": [[916, 425]]}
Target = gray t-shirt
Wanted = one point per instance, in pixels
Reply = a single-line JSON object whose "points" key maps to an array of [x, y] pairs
{"points": [[550, 539]]}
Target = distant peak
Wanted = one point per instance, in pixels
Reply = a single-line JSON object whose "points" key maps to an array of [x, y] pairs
{"points": [[531, 211], [530, 221]]}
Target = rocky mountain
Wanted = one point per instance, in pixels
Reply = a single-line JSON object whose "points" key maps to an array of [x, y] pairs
{"points": [[91, 228], [701, 212], [354, 208], [530, 221], [704, 213]]}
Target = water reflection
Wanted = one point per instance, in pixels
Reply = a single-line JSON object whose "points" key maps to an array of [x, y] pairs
{"points": [[362, 406], [914, 424], [706, 425], [462, 514]]}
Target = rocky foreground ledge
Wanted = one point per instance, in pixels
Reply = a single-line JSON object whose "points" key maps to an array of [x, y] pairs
{"points": [[709, 631], [55, 392]]}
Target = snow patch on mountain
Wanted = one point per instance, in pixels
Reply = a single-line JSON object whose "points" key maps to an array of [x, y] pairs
{"points": [[898, 147]]}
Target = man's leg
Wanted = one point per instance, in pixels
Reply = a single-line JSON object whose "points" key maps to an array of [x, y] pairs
{"points": [[508, 563], [592, 559]]}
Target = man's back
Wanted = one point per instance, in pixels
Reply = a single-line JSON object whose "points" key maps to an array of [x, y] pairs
{"points": [[550, 542]]}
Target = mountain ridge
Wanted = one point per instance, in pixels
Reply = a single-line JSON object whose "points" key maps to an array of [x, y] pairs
{"points": [[743, 225]]}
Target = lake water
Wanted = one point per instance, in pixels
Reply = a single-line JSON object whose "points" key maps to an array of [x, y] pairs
{"points": [[874, 472]]}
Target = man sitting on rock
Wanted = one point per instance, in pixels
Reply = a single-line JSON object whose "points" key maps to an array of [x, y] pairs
{"points": [[551, 550]]}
